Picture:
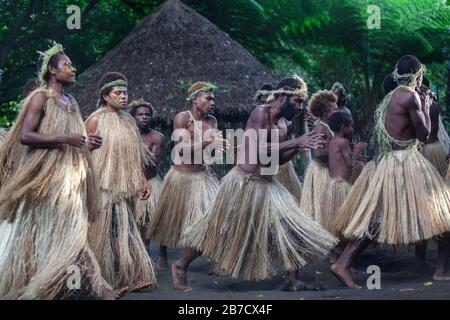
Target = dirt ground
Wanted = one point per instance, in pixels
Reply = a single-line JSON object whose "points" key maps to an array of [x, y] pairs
{"points": [[399, 280]]}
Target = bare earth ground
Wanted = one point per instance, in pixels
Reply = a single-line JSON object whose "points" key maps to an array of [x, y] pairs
{"points": [[398, 281]]}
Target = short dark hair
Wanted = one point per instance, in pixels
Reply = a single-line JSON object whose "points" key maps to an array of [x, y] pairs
{"points": [[136, 104], [107, 78], [389, 83], [408, 64], [266, 87], [53, 61], [338, 119]]}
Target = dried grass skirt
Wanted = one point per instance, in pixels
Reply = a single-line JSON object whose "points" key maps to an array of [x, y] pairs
{"points": [[255, 223], [406, 201], [288, 178], [316, 181], [184, 198]]}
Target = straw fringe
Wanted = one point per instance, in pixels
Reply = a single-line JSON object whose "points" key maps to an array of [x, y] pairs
{"points": [[146, 208], [356, 171], [3, 134], [333, 198], [119, 163], [437, 155], [355, 195], [184, 198], [133, 264], [288, 178], [316, 181], [46, 198], [407, 201], [123, 155], [255, 223]]}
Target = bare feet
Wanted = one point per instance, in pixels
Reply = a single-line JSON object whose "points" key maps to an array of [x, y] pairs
{"points": [[441, 276], [356, 271], [113, 294], [162, 264], [216, 271], [142, 286], [344, 276], [179, 280]]}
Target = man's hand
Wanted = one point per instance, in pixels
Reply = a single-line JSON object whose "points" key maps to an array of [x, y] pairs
{"points": [[75, 139], [219, 143], [145, 192], [94, 142], [311, 140], [310, 119]]}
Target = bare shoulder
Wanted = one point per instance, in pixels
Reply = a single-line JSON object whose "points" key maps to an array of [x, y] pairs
{"points": [[91, 122], [181, 120], [410, 100], [38, 99], [157, 137], [93, 118], [211, 120], [259, 115]]}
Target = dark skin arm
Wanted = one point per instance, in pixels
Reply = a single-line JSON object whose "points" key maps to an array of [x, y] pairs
{"points": [[94, 141], [158, 147], [181, 122], [420, 117], [30, 136], [321, 154], [434, 118], [350, 157], [287, 149]]}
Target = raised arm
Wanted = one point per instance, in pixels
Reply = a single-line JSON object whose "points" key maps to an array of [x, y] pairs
{"points": [[286, 149], [181, 123]]}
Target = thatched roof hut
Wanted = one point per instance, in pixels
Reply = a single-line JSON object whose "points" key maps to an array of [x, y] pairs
{"points": [[171, 48]]}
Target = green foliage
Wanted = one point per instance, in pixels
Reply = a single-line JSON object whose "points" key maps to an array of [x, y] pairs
{"points": [[324, 41]]}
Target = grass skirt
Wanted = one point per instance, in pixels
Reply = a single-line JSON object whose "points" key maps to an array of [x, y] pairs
{"points": [[184, 198], [288, 178], [255, 223], [406, 201], [437, 155], [333, 198], [316, 181]]}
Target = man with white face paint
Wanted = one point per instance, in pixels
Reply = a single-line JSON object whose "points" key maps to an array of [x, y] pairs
{"points": [[120, 164]]}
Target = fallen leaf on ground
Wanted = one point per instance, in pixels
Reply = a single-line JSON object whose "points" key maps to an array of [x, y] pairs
{"points": [[429, 283], [319, 273]]}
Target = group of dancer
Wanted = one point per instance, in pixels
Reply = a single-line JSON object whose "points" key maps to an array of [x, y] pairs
{"points": [[89, 194]]}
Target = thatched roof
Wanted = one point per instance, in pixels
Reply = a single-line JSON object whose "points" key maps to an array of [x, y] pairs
{"points": [[170, 48]]}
